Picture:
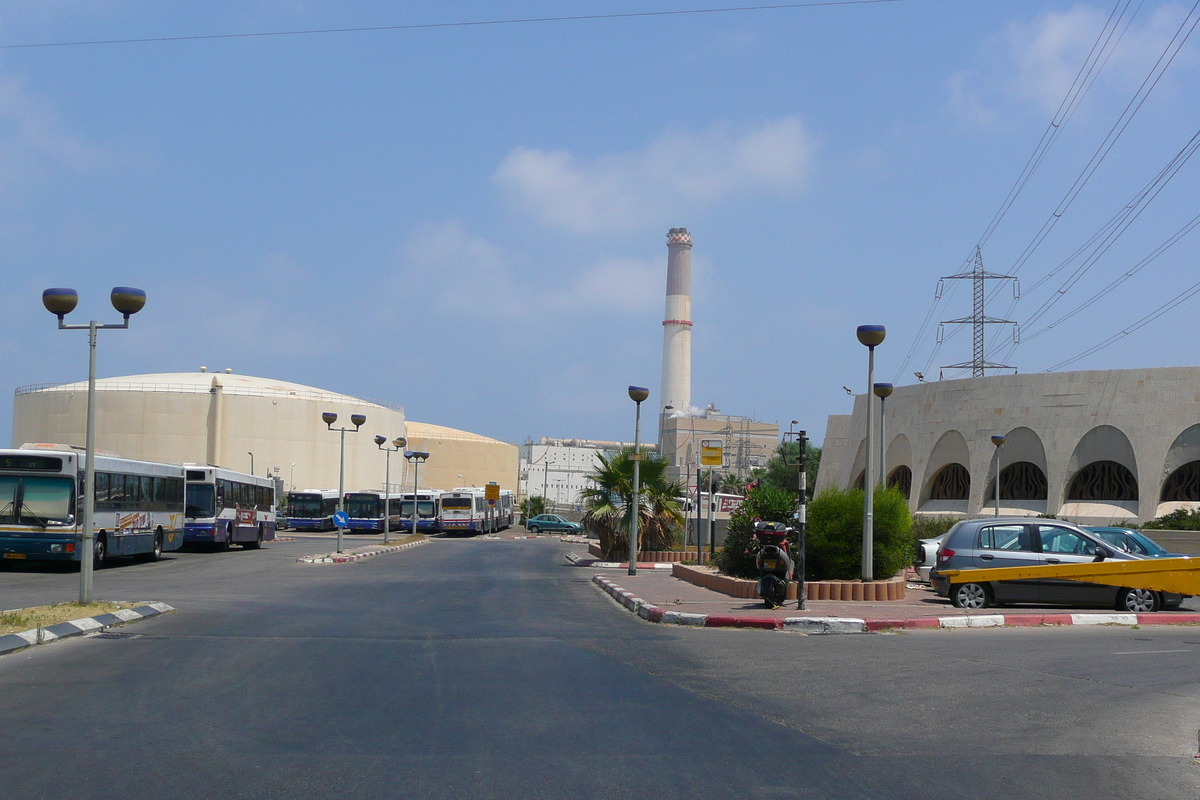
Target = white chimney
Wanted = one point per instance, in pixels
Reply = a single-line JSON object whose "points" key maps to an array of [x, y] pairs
{"points": [[677, 324]]}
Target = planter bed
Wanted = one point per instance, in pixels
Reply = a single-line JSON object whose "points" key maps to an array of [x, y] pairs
{"points": [[658, 556], [872, 591]]}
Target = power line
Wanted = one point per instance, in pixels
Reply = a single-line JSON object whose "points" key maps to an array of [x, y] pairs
{"points": [[428, 25]]}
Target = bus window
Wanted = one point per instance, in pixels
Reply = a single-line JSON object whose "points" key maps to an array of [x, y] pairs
{"points": [[8, 497], [46, 498], [101, 489]]}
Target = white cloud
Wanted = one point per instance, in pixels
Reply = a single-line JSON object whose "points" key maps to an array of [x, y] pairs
{"points": [[678, 173], [451, 269]]}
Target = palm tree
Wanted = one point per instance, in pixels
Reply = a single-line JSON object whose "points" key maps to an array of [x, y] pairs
{"points": [[532, 507], [609, 500]]}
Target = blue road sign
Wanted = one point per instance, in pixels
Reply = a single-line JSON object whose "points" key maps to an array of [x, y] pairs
{"points": [[341, 519]]}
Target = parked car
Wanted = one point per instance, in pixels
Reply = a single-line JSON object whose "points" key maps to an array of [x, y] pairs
{"points": [[1022, 541], [926, 557], [1132, 541], [281, 522], [551, 522]]}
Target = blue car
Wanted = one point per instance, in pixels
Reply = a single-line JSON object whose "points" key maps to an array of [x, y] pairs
{"points": [[551, 522], [1132, 541]]}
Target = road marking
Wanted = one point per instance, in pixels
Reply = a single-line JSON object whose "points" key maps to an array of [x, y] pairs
{"points": [[1148, 652]]}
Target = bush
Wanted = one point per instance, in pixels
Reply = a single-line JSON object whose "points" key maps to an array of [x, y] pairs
{"points": [[834, 550], [931, 527], [1181, 519], [763, 503]]}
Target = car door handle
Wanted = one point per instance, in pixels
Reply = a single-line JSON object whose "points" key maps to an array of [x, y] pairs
{"points": [[986, 557], [1053, 561]]}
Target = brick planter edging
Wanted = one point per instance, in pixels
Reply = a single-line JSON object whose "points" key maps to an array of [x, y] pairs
{"points": [[874, 591], [655, 556], [343, 558], [12, 642]]}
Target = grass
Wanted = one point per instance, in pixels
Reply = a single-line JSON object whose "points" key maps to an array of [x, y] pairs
{"points": [[23, 619]]}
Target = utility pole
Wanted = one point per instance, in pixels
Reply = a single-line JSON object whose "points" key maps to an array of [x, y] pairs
{"points": [[978, 277]]}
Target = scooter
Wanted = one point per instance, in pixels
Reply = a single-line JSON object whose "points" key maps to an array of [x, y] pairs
{"points": [[774, 563]]}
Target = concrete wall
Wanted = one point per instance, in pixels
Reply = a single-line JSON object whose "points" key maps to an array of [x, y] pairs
{"points": [[1142, 419]]}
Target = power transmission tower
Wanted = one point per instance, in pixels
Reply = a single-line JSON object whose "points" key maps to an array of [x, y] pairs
{"points": [[979, 276]]}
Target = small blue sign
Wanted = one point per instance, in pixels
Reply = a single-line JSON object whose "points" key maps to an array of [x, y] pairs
{"points": [[341, 519]]}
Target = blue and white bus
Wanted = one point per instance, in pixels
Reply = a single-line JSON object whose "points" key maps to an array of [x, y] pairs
{"points": [[428, 505], [366, 509], [312, 509], [138, 506], [466, 509], [226, 507]]}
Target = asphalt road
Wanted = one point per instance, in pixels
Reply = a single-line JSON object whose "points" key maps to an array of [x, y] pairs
{"points": [[492, 669]]}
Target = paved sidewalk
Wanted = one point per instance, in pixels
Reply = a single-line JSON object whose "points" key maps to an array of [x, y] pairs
{"points": [[678, 601]]}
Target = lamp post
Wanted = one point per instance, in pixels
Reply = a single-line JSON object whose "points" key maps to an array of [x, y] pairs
{"points": [[60, 302], [292, 478], [251, 461], [872, 336], [997, 440], [415, 457], [637, 394], [883, 391], [329, 418], [397, 445]]}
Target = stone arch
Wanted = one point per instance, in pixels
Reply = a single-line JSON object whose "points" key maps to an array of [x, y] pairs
{"points": [[1024, 488], [1103, 483], [1181, 474], [855, 481], [946, 474], [901, 478]]}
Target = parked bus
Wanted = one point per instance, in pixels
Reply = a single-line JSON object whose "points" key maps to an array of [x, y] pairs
{"points": [[467, 509], [138, 506], [312, 509], [366, 509], [226, 507], [428, 505]]}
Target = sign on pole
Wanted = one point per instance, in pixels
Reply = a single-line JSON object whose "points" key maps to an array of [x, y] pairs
{"points": [[341, 519], [712, 452], [491, 493]]}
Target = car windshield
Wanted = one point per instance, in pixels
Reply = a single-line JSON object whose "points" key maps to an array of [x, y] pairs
{"points": [[201, 500], [46, 499]]}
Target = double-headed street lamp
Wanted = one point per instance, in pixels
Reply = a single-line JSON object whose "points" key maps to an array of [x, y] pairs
{"points": [[637, 394], [872, 336], [997, 440], [397, 445], [416, 457], [883, 391], [60, 302], [329, 417]]}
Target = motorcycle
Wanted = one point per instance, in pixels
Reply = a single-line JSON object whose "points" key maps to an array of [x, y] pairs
{"points": [[774, 563]]}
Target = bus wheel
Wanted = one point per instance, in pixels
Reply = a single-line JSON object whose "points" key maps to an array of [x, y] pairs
{"points": [[228, 537], [156, 553], [257, 543], [99, 551]]}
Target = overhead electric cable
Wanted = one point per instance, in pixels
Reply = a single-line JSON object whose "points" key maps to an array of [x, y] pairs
{"points": [[427, 25]]}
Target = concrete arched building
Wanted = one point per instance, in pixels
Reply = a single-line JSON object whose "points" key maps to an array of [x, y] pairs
{"points": [[1099, 446], [220, 418]]}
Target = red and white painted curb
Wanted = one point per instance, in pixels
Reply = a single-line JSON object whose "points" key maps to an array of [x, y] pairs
{"points": [[345, 558], [584, 561], [652, 613]]}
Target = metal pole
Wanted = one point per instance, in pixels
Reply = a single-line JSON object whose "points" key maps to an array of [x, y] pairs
{"points": [[251, 461], [637, 477], [341, 486], [699, 506], [868, 542], [87, 549], [802, 523], [882, 441], [712, 538], [545, 474], [416, 478], [387, 499], [997, 461]]}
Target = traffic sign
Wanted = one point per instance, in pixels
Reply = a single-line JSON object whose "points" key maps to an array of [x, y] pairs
{"points": [[712, 452], [341, 519], [491, 491]]}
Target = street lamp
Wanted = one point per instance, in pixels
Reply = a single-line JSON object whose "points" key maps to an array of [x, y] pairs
{"points": [[637, 394], [251, 461], [415, 457], [329, 418], [997, 439], [397, 445], [872, 336], [883, 391], [60, 302]]}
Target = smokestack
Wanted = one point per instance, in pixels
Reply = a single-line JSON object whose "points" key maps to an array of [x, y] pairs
{"points": [[677, 324]]}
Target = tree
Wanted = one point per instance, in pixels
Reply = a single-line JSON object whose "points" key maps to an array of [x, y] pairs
{"points": [[608, 501], [835, 528], [783, 471], [532, 507], [738, 555]]}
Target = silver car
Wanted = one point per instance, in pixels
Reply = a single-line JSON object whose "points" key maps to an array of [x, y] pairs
{"points": [[1021, 542]]}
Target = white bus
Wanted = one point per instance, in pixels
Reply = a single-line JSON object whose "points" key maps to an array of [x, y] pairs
{"points": [[312, 509], [226, 507], [138, 505], [428, 504], [466, 509], [366, 509]]}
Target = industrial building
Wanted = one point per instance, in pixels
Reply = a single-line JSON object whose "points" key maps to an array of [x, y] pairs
{"points": [[747, 444], [256, 424], [558, 469], [1096, 447]]}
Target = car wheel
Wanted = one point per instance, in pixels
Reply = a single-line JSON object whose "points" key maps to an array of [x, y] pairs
{"points": [[1138, 601], [970, 595], [533, 528]]}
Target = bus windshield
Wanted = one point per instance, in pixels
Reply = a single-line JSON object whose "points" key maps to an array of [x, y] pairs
{"points": [[46, 499], [425, 509], [8, 496], [305, 506], [201, 500], [362, 506]]}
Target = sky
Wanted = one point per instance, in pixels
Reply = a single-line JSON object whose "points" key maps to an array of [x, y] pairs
{"points": [[470, 220]]}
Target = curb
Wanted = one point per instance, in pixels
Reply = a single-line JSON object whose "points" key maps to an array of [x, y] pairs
{"points": [[14, 642], [345, 558], [584, 561], [652, 613]]}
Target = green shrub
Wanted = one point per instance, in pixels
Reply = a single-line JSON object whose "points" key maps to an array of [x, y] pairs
{"points": [[1181, 519], [763, 503], [931, 526], [834, 550]]}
